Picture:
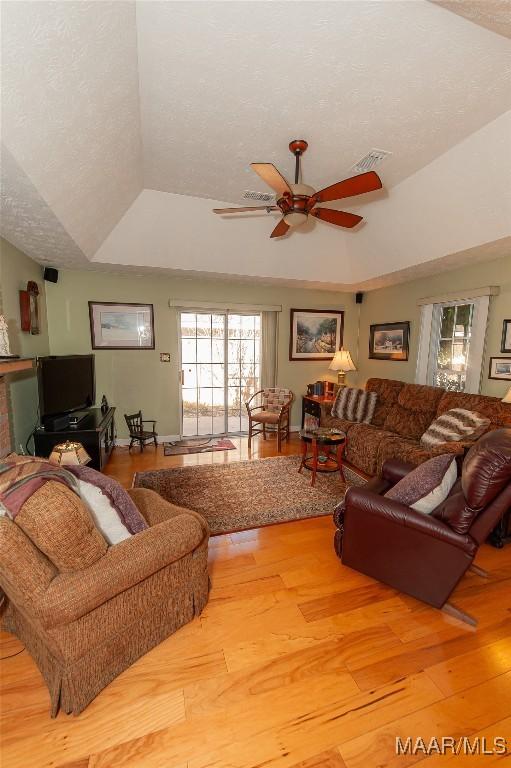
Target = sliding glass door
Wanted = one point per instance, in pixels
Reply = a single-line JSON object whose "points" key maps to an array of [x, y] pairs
{"points": [[220, 370]]}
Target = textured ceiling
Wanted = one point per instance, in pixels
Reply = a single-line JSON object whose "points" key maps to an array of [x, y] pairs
{"points": [[29, 223], [102, 100], [70, 109], [221, 87], [491, 14]]}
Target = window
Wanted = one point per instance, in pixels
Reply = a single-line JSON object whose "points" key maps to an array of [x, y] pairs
{"points": [[451, 344]]}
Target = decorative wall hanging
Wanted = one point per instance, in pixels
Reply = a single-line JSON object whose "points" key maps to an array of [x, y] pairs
{"points": [[506, 336], [121, 326], [389, 341], [29, 308], [500, 368], [316, 334]]}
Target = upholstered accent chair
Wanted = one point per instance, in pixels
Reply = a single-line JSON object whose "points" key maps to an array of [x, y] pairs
{"points": [[268, 411], [91, 616], [426, 555]]}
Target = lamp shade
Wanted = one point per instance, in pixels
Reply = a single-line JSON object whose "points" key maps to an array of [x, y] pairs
{"points": [[507, 396], [342, 361], [69, 453]]}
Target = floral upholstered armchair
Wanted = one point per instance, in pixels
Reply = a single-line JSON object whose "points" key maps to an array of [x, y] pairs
{"points": [[269, 409]]}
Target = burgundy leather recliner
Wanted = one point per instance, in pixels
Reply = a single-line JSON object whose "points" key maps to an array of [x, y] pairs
{"points": [[426, 555]]}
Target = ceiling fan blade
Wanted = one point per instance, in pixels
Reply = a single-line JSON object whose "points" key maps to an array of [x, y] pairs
{"points": [[356, 185], [248, 208], [272, 177], [280, 229], [341, 218]]}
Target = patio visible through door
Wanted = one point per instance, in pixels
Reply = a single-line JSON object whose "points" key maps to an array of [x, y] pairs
{"points": [[220, 370]]}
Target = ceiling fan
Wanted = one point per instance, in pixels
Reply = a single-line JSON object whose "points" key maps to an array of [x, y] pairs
{"points": [[297, 201]]}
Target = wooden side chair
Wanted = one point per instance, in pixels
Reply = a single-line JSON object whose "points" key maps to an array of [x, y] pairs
{"points": [[269, 410], [137, 432]]}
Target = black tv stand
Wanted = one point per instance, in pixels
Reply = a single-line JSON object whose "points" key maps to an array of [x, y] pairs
{"points": [[95, 431], [77, 417]]}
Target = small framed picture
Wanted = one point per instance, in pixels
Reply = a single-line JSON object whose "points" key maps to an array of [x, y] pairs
{"points": [[121, 326], [500, 368], [506, 336], [315, 334], [389, 341]]}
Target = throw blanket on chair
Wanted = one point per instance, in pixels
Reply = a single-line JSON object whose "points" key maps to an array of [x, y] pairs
{"points": [[18, 481], [21, 476], [354, 405], [119, 498]]}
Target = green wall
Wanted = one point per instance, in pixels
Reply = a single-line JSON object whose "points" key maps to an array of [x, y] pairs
{"points": [[137, 379], [133, 379], [399, 303], [16, 270]]}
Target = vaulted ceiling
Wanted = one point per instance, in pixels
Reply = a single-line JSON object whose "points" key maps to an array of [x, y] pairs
{"points": [[123, 122]]}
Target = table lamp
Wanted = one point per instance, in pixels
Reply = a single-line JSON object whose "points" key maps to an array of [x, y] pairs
{"points": [[69, 453], [342, 363]]}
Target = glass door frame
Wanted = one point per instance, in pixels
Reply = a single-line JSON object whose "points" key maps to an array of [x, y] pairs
{"points": [[225, 314]]}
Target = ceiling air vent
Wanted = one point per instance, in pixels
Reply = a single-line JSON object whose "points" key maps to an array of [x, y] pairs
{"points": [[263, 197], [370, 161]]}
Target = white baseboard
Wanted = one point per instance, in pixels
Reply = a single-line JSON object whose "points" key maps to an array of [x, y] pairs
{"points": [[123, 442]]}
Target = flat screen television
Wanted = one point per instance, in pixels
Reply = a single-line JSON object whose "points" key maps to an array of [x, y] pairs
{"points": [[66, 383]]}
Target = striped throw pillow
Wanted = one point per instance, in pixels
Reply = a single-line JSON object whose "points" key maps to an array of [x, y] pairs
{"points": [[354, 405], [453, 425]]}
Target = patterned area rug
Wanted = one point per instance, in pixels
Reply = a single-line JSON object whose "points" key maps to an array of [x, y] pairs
{"points": [[198, 445], [249, 494]]}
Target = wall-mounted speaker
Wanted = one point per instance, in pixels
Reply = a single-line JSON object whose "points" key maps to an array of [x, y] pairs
{"points": [[51, 274], [359, 297]]}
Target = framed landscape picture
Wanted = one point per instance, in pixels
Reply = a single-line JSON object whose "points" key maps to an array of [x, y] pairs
{"points": [[500, 368], [316, 334], [506, 336], [389, 341], [121, 326]]}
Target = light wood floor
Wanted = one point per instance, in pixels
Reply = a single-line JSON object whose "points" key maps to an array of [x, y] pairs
{"points": [[296, 661]]}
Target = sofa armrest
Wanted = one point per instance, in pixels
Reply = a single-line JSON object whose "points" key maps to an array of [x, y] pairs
{"points": [[457, 447], [360, 501], [325, 409], [72, 595], [394, 470], [25, 573], [155, 509]]}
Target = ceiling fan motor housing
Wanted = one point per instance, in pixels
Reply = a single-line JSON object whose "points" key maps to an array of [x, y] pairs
{"points": [[295, 207]]}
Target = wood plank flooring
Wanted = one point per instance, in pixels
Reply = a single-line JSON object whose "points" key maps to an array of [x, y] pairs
{"points": [[296, 662]]}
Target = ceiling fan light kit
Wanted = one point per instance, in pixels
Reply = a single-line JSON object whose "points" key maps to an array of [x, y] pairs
{"points": [[297, 201]]}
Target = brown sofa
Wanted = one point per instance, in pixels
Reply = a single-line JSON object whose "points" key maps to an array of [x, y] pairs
{"points": [[85, 623], [403, 413]]}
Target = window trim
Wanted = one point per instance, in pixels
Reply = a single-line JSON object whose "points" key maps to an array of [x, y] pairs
{"points": [[429, 330]]}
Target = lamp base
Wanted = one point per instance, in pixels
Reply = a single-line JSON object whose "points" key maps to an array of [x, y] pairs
{"points": [[341, 378]]}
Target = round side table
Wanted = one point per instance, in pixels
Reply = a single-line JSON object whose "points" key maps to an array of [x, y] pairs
{"points": [[325, 453]]}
